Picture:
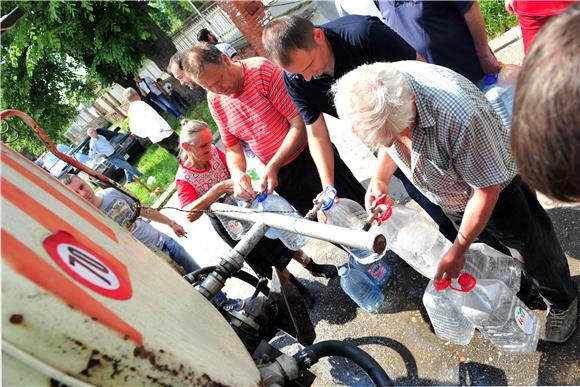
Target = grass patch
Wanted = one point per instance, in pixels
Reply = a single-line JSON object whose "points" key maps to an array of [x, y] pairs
{"points": [[156, 162], [497, 19]]}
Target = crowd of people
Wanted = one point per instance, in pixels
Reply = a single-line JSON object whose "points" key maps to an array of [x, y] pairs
{"points": [[410, 98]]}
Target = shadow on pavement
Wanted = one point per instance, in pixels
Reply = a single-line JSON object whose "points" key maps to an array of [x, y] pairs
{"points": [[566, 222]]}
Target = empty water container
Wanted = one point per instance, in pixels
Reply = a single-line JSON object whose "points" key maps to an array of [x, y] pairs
{"points": [[499, 89], [276, 203], [235, 228]]}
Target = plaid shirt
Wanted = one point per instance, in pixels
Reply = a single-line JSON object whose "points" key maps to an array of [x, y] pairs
{"points": [[458, 143]]}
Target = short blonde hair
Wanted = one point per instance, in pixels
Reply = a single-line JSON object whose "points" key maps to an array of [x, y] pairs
{"points": [[376, 101]]}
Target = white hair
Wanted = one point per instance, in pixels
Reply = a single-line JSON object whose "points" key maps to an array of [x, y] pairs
{"points": [[189, 130], [130, 94], [376, 101]]}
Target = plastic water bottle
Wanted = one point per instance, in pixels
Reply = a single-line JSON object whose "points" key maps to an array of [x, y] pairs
{"points": [[418, 242], [349, 214], [235, 228], [361, 289], [499, 89], [414, 239], [446, 317], [379, 272], [276, 203], [254, 167], [497, 312]]}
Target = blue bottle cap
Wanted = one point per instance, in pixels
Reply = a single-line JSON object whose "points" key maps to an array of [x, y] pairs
{"points": [[262, 196], [491, 79]]}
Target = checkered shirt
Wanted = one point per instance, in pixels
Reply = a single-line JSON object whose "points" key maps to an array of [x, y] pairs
{"points": [[459, 142]]}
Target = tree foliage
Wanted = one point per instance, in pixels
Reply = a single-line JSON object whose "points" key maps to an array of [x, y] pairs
{"points": [[61, 50]]}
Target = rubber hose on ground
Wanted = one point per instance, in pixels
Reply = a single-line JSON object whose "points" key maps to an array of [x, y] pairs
{"points": [[310, 355]]}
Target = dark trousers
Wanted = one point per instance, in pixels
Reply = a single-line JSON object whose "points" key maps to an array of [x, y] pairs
{"points": [[179, 100], [446, 227], [519, 222], [299, 182], [267, 253], [170, 144]]}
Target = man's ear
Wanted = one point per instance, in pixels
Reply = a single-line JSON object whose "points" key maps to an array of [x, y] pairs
{"points": [[318, 35], [225, 59]]}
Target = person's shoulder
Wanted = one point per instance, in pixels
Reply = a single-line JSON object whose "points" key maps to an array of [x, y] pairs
{"points": [[259, 63], [351, 24]]}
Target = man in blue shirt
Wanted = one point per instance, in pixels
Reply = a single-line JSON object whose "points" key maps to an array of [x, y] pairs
{"points": [[100, 147], [447, 33], [314, 57]]}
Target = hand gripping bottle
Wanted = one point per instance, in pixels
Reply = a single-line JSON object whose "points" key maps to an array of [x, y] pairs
{"points": [[235, 228], [361, 289], [276, 203], [496, 311], [349, 214], [499, 89]]}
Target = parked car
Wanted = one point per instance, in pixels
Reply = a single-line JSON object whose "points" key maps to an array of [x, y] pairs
{"points": [[127, 146]]}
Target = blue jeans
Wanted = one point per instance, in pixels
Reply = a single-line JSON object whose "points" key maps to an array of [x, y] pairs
{"points": [[166, 105], [178, 255], [446, 227], [129, 170]]}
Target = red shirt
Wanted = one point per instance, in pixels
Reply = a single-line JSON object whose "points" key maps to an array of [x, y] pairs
{"points": [[192, 184], [540, 7], [259, 114]]}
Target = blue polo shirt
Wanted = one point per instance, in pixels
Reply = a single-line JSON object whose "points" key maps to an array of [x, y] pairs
{"points": [[437, 30], [355, 40]]}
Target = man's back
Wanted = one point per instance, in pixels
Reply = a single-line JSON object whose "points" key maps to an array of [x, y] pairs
{"points": [[119, 207]]}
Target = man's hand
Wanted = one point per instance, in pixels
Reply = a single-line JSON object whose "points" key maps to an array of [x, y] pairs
{"points": [[243, 187], [269, 179], [376, 188], [178, 230], [451, 263], [488, 61], [509, 6]]}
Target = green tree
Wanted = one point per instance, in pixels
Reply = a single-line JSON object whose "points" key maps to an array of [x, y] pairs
{"points": [[73, 46]]}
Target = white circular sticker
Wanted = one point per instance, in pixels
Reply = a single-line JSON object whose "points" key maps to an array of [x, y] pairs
{"points": [[88, 266]]}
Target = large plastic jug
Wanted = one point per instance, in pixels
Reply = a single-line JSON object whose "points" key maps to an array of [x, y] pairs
{"points": [[361, 289], [276, 203]]}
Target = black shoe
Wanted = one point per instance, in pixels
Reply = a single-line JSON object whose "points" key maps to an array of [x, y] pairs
{"points": [[324, 271], [533, 300]]}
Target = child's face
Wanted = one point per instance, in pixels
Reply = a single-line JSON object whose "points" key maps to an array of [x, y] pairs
{"points": [[83, 189]]}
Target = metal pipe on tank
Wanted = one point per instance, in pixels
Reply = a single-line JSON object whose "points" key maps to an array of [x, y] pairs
{"points": [[357, 239]]}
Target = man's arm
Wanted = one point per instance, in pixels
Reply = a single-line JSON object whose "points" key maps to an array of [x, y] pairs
{"points": [[475, 218], [236, 161], [321, 150], [156, 216], [476, 24], [294, 140], [382, 176]]}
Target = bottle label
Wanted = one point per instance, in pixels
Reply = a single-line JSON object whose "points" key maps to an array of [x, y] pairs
{"points": [[524, 320], [377, 271]]}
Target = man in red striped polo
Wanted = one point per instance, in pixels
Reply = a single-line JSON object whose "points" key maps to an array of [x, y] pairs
{"points": [[249, 102]]}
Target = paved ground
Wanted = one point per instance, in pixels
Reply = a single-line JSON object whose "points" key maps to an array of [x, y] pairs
{"points": [[400, 336]]}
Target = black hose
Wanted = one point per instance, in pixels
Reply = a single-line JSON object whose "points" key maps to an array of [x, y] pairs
{"points": [[310, 355]]}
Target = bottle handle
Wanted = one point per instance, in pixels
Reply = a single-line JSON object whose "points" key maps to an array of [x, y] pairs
{"points": [[466, 283], [381, 209]]}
